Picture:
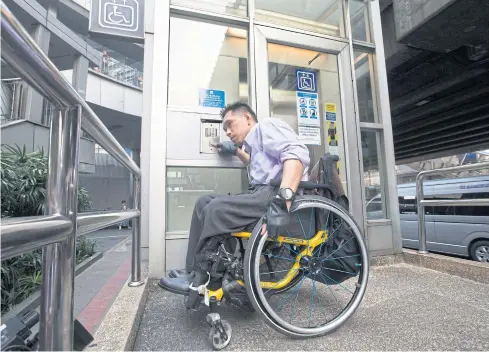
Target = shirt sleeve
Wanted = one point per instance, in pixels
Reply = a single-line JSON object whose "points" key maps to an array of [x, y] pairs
{"points": [[281, 142]]}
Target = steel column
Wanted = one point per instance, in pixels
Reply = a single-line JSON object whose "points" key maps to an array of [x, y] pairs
{"points": [[58, 267], [136, 236]]}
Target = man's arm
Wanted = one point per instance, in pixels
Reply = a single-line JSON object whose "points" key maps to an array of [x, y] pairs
{"points": [[243, 156], [292, 175], [280, 141]]}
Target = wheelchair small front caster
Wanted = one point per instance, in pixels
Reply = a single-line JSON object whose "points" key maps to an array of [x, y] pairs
{"points": [[220, 332]]}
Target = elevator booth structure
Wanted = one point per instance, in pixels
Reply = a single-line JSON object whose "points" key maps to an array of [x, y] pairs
{"points": [[317, 64]]}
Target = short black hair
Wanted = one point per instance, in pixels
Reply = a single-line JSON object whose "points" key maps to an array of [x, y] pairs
{"points": [[238, 106]]}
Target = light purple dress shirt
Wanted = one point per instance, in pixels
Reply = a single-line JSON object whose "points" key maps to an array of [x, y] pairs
{"points": [[270, 143]]}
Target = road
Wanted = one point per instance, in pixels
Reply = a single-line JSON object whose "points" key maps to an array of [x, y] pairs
{"points": [[108, 238]]}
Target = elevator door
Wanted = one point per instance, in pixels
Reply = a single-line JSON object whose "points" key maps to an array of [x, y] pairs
{"points": [[306, 81]]}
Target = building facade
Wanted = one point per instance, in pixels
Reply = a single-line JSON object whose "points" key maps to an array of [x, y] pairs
{"points": [[318, 65]]}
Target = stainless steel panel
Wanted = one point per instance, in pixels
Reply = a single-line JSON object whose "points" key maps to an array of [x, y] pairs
{"points": [[176, 252], [210, 136]]}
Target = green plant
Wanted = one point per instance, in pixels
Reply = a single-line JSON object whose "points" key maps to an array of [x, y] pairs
{"points": [[23, 183], [23, 193], [22, 275]]}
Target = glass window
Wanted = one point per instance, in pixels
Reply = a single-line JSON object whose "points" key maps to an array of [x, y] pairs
{"points": [[462, 210], [367, 105], [185, 185], [323, 16], [232, 7], [359, 20], [326, 135], [371, 150], [206, 56]]}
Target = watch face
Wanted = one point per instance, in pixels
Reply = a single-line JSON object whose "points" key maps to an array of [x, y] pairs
{"points": [[286, 193]]}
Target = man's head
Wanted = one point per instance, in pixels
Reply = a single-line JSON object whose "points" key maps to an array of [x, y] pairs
{"points": [[238, 119]]}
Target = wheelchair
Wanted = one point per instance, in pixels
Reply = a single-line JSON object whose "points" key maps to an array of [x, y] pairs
{"points": [[318, 262]]}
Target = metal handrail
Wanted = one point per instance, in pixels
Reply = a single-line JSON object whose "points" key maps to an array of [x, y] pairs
{"points": [[56, 231], [448, 202]]}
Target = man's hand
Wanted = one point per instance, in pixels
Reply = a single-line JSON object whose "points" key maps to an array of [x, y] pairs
{"points": [[276, 216], [226, 147]]}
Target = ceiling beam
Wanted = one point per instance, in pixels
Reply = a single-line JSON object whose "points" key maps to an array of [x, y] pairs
{"points": [[433, 88], [439, 118], [444, 140], [460, 122], [482, 142], [440, 104]]}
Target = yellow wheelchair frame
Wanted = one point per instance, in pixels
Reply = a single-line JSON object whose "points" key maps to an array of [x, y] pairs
{"points": [[311, 244]]}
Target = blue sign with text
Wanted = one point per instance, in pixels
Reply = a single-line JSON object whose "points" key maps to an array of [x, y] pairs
{"points": [[212, 98], [306, 81]]}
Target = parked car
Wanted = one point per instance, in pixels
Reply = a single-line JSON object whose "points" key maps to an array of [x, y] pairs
{"points": [[458, 230]]}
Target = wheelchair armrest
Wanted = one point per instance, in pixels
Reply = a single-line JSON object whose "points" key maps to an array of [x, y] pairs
{"points": [[307, 185]]}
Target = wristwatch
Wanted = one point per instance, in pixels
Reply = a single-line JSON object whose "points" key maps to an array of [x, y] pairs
{"points": [[286, 193]]}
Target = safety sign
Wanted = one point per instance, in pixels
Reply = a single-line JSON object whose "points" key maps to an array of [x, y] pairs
{"points": [[310, 135], [307, 109], [212, 98], [330, 111], [122, 18], [333, 140]]}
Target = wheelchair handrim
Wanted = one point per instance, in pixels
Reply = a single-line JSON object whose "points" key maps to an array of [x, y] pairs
{"points": [[269, 313]]}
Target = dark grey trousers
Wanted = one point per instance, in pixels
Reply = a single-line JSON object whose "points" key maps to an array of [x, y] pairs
{"points": [[223, 214]]}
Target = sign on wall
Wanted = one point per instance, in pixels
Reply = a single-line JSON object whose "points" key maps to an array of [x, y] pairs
{"points": [[310, 135], [212, 98], [330, 116], [118, 18], [307, 98]]}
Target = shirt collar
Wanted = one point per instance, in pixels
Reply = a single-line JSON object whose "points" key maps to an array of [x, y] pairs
{"points": [[251, 133]]}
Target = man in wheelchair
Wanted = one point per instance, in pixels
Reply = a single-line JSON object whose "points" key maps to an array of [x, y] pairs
{"points": [[272, 151]]}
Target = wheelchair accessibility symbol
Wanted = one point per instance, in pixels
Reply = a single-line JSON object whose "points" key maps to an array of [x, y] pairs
{"points": [[306, 81], [119, 14]]}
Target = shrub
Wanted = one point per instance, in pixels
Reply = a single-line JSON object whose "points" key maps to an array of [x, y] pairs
{"points": [[23, 188], [21, 275], [23, 193]]}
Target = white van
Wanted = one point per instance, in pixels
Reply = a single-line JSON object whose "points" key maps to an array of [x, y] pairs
{"points": [[455, 230]]}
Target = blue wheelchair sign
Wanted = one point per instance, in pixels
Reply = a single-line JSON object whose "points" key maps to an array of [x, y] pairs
{"points": [[306, 81]]}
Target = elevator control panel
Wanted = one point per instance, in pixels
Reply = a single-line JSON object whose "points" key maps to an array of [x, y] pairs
{"points": [[210, 136]]}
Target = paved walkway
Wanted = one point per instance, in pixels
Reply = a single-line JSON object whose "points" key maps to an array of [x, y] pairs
{"points": [[98, 286], [405, 308]]}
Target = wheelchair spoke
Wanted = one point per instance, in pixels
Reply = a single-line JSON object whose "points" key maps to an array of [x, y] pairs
{"points": [[312, 299], [318, 295], [330, 290], [346, 256], [275, 286], [322, 244], [279, 257], [337, 249], [294, 306], [291, 293], [342, 271], [286, 245], [337, 283], [310, 223]]}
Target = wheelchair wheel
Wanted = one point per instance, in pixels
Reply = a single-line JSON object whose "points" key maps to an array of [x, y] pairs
{"points": [[326, 270]]}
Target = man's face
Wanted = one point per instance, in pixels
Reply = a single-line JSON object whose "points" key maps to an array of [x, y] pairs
{"points": [[237, 125]]}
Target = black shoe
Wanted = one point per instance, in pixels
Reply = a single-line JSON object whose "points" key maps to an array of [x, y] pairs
{"points": [[178, 273], [179, 286]]}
